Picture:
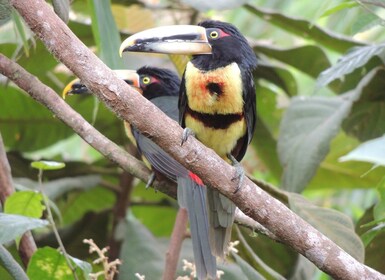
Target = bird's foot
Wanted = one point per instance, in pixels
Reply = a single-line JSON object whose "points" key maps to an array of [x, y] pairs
{"points": [[151, 180], [187, 132], [239, 172]]}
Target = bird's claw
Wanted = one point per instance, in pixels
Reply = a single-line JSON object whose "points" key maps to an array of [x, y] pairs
{"points": [[187, 132], [151, 180], [239, 172]]}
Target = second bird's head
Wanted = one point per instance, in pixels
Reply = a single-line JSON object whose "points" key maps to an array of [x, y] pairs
{"points": [[150, 81], [219, 41]]}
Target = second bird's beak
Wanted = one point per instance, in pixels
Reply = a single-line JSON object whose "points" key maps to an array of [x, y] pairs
{"points": [[174, 39], [77, 87]]}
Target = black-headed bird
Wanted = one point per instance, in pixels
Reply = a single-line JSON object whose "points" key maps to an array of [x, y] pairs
{"points": [[161, 87], [217, 99]]}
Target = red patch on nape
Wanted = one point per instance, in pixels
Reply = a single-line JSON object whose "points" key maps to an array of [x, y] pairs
{"points": [[195, 178], [223, 34]]}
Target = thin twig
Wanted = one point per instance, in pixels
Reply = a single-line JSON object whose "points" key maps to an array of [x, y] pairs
{"points": [[8, 262], [53, 225], [176, 240]]}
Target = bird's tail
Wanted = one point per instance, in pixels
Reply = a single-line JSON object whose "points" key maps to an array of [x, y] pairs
{"points": [[221, 217], [192, 196]]}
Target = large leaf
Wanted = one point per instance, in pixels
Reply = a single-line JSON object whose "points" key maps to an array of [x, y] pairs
{"points": [[49, 264], [355, 58], [366, 119], [312, 60], [305, 29], [27, 126], [349, 174], [310, 123], [106, 33], [26, 203], [140, 252], [372, 151], [13, 226], [78, 204], [277, 75], [335, 225]]}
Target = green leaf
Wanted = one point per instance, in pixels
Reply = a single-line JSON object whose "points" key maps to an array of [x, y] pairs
{"points": [[25, 125], [26, 203], [374, 253], [140, 252], [366, 119], [305, 29], [47, 165], [339, 7], [93, 200], [307, 128], [368, 236], [106, 33], [13, 226], [313, 58], [372, 151], [335, 225], [48, 264], [62, 9], [346, 175], [277, 75], [365, 22], [84, 266], [353, 59], [379, 208]]}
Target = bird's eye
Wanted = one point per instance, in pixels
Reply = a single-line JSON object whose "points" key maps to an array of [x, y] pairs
{"points": [[214, 34], [146, 80]]}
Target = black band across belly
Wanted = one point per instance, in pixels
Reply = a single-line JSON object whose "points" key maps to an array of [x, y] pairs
{"points": [[216, 121]]}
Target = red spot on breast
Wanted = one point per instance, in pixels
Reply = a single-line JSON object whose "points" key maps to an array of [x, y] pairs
{"points": [[195, 178]]}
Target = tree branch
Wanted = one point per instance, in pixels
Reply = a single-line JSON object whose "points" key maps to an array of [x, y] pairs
{"points": [[27, 244], [176, 240], [150, 121]]}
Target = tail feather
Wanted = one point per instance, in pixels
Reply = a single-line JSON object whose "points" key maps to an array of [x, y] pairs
{"points": [[193, 197], [221, 217]]}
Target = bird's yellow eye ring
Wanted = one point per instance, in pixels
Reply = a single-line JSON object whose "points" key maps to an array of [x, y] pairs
{"points": [[214, 34], [146, 80]]}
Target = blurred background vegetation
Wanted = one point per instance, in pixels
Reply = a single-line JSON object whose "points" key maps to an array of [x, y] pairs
{"points": [[319, 138]]}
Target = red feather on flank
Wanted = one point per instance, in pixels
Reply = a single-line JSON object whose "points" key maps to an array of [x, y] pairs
{"points": [[195, 178]]}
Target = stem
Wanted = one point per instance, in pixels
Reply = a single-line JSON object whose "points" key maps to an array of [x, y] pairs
{"points": [[52, 222], [177, 237], [9, 263]]}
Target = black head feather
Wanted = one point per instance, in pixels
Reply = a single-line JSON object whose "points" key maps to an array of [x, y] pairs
{"points": [[232, 48], [166, 82]]}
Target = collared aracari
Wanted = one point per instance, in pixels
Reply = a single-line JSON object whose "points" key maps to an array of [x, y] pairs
{"points": [[217, 100], [161, 87]]}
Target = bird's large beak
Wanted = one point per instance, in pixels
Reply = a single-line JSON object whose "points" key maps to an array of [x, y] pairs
{"points": [[174, 39], [77, 87]]}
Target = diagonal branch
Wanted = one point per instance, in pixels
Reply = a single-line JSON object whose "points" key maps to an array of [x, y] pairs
{"points": [[149, 120]]}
